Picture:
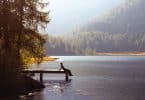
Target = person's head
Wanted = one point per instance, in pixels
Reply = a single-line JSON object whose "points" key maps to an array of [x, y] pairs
{"points": [[61, 63]]}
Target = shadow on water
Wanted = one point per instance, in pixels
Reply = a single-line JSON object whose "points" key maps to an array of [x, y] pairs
{"points": [[52, 88], [56, 87]]}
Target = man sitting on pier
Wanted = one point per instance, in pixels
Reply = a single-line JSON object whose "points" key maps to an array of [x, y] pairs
{"points": [[65, 69]]}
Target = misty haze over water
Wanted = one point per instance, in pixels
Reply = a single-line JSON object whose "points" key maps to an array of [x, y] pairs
{"points": [[119, 30]]}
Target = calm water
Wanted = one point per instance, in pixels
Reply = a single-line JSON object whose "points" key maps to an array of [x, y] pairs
{"points": [[95, 78]]}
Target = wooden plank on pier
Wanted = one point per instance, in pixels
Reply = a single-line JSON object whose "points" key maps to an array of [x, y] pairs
{"points": [[42, 71]]}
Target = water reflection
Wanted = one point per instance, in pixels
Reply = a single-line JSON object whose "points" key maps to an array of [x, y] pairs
{"points": [[57, 86], [53, 89]]}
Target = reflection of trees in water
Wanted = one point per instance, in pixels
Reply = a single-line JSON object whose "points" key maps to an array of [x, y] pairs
{"points": [[58, 86]]}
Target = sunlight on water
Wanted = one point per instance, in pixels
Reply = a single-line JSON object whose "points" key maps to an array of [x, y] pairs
{"points": [[100, 58]]}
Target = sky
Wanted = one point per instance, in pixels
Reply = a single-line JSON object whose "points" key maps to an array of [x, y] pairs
{"points": [[68, 15]]}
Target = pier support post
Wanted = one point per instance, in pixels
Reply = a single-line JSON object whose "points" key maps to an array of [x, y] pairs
{"points": [[66, 76], [41, 77]]}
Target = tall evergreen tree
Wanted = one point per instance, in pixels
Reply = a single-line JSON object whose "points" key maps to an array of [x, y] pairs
{"points": [[19, 24]]}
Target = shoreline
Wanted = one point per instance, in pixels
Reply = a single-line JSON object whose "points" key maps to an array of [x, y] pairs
{"points": [[24, 86], [121, 54], [133, 53]]}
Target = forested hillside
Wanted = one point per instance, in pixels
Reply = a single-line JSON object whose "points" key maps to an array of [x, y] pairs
{"points": [[128, 18], [121, 30]]}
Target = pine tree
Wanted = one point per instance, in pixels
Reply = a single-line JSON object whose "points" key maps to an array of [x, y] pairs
{"points": [[20, 21]]}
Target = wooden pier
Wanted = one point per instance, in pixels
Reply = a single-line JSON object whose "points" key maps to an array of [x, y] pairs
{"points": [[41, 72]]}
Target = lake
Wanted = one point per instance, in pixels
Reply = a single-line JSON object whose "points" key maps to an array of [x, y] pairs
{"points": [[95, 78]]}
